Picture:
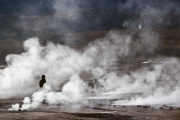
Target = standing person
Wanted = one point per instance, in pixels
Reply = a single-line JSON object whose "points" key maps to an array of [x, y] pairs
{"points": [[42, 81]]}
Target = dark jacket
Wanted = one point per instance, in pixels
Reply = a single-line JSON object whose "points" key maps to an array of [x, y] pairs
{"points": [[41, 82]]}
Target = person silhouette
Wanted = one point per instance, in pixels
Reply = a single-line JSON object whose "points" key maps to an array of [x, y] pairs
{"points": [[42, 81]]}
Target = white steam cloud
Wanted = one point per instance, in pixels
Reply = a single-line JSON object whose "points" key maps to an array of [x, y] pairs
{"points": [[57, 62], [155, 84]]}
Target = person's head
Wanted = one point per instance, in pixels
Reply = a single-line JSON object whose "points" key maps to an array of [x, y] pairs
{"points": [[43, 76]]}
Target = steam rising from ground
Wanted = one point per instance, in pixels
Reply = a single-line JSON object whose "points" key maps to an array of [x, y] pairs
{"points": [[60, 62], [156, 84]]}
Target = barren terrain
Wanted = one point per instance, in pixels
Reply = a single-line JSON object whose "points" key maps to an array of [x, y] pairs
{"points": [[46, 112]]}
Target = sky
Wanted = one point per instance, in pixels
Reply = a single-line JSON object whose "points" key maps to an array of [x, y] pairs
{"points": [[38, 7]]}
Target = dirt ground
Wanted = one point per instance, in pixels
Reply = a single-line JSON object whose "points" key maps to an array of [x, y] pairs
{"points": [[46, 112]]}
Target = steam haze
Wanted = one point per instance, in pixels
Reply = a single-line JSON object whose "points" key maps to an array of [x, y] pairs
{"points": [[154, 82]]}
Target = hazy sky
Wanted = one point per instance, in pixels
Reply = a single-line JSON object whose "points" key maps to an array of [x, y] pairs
{"points": [[32, 7]]}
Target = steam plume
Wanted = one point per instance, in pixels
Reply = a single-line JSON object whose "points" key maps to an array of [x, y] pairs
{"points": [[156, 84]]}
